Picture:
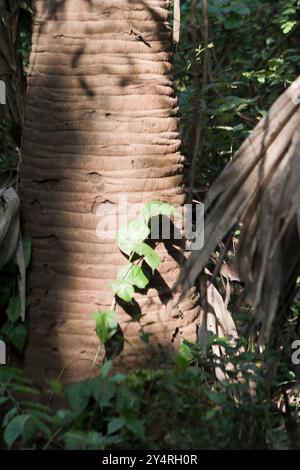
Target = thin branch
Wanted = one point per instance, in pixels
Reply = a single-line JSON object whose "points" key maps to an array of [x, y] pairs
{"points": [[205, 74]]}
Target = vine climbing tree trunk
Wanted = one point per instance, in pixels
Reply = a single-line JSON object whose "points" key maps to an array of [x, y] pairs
{"points": [[101, 120]]}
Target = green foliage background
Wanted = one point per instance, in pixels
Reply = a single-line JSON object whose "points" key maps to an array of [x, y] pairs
{"points": [[253, 57]]}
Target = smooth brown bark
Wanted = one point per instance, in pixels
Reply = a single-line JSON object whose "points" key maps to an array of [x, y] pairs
{"points": [[101, 119]]}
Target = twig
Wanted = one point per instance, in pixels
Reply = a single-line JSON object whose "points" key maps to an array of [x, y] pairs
{"points": [[199, 129], [112, 307], [52, 438]]}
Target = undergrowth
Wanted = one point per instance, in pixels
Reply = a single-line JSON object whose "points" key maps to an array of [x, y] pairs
{"points": [[178, 405]]}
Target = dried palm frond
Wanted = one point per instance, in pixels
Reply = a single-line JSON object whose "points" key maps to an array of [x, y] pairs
{"points": [[260, 190], [9, 224], [217, 320], [11, 239]]}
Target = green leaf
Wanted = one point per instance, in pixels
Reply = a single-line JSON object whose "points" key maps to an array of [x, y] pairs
{"points": [[26, 389], [56, 387], [19, 337], [232, 21], [136, 426], [9, 373], [33, 406], [106, 368], [138, 278], [181, 362], [152, 209], [215, 397], [124, 272], [118, 377], [288, 26], [15, 429], [81, 440], [9, 416], [35, 424], [134, 274], [78, 395], [63, 418], [8, 330], [128, 237], [115, 425], [151, 257], [27, 252], [103, 390], [185, 352], [38, 425], [106, 324], [13, 309], [240, 9], [123, 289]]}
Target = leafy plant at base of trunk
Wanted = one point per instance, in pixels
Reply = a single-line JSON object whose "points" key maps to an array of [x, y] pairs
{"points": [[131, 241]]}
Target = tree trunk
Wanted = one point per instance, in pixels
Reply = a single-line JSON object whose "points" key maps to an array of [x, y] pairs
{"points": [[101, 120]]}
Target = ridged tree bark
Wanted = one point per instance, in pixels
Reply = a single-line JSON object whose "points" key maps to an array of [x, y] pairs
{"points": [[101, 120]]}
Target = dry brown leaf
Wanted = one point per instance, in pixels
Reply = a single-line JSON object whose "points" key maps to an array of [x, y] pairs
{"points": [[259, 189], [228, 271], [9, 224]]}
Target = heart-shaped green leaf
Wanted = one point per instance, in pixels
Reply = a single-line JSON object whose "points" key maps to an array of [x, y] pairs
{"points": [[13, 309], [150, 256], [123, 289], [128, 237], [15, 429], [106, 324], [134, 275], [152, 209]]}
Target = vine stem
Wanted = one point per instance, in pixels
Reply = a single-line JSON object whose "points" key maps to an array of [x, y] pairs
{"points": [[112, 307], [52, 438]]}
